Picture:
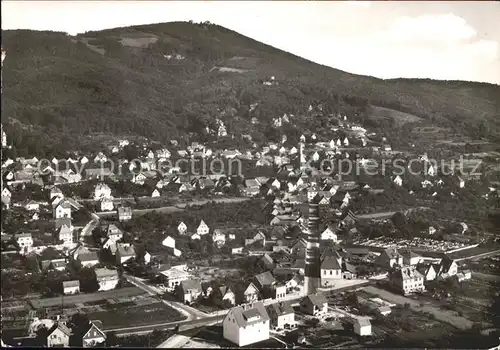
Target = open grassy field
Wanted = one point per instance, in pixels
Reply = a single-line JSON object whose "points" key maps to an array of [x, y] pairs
{"points": [[399, 117], [144, 313], [86, 298]]}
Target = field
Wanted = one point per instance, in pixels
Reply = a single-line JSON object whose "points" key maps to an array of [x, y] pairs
{"points": [[86, 298], [142, 311], [399, 118]]}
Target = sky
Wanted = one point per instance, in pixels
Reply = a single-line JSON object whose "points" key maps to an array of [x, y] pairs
{"points": [[445, 40]]}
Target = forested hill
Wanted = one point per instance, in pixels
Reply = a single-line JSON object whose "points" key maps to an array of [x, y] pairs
{"points": [[171, 80]]}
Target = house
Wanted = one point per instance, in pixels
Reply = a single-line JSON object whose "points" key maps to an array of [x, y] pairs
{"points": [[314, 304], [107, 204], [155, 193], [329, 235], [32, 206], [169, 242], [66, 233], [362, 326], [265, 281], [182, 228], [202, 229], [71, 287], [407, 280], [24, 241], [94, 336], [252, 187], [281, 315], [410, 258], [107, 279], [225, 293], [331, 271], [55, 192], [88, 259], [464, 275], [398, 181], [390, 257], [173, 277], [251, 294], [62, 210], [101, 191], [432, 230], [219, 238], [447, 268], [429, 271], [58, 336], [114, 232], [124, 252], [190, 290], [295, 283], [279, 291], [247, 324], [124, 213]]}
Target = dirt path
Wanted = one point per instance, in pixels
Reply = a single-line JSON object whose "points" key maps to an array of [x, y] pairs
{"points": [[441, 315]]}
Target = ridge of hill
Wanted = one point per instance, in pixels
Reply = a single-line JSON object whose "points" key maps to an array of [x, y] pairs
{"points": [[173, 80]]}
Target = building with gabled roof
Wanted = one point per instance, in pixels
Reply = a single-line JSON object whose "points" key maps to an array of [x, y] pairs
{"points": [[281, 315], [94, 335], [247, 324], [314, 304], [58, 336]]}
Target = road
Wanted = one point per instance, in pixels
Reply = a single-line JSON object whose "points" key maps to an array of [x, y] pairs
{"points": [[480, 256], [178, 207], [188, 311]]}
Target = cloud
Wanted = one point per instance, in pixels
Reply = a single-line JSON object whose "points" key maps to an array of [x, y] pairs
{"points": [[444, 27]]}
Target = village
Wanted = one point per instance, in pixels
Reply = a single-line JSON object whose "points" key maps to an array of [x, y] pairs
{"points": [[135, 246]]}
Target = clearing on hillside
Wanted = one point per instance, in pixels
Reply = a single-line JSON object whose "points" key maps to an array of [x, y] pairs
{"points": [[400, 118]]}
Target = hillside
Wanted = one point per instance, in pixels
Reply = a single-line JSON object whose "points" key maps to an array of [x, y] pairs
{"points": [[171, 80]]}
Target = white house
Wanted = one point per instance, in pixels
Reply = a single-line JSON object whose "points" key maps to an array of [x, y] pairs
{"points": [[71, 287], [25, 241], [66, 234], [155, 193], [32, 206], [362, 326], [169, 242], [62, 210], [94, 335], [101, 191], [398, 180], [461, 182], [408, 280], [107, 204], [202, 229], [431, 171], [182, 228], [432, 230], [58, 336], [107, 279], [346, 142], [315, 156], [328, 235], [247, 324], [281, 315]]}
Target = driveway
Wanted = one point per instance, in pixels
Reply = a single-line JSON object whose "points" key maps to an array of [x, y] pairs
{"points": [[445, 316]]}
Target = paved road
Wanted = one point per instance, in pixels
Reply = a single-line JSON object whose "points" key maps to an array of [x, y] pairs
{"points": [[445, 316], [178, 207], [480, 256]]}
